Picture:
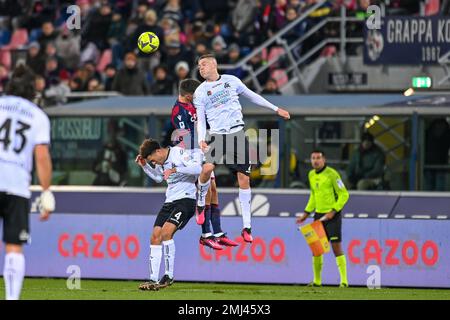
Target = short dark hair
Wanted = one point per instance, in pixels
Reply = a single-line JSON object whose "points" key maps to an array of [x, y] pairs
{"points": [[188, 86], [206, 56], [148, 147], [318, 151], [22, 83]]}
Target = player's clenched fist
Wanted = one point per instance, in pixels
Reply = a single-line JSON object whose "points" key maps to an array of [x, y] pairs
{"points": [[204, 146], [284, 114], [140, 161]]}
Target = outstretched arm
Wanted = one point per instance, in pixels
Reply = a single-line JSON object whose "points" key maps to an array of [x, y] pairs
{"points": [[257, 99]]}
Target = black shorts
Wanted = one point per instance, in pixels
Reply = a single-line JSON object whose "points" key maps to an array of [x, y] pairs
{"points": [[178, 213], [333, 227], [236, 158], [14, 211]]}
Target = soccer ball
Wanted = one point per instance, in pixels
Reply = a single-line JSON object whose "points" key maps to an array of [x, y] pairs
{"points": [[148, 42]]}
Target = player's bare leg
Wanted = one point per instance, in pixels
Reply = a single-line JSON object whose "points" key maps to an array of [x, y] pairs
{"points": [[341, 263], [245, 197], [154, 260], [204, 181], [219, 235], [207, 238], [14, 271]]}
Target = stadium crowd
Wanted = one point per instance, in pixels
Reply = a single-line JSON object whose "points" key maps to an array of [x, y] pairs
{"points": [[102, 55]]}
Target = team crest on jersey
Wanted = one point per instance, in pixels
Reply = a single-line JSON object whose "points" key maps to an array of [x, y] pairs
{"points": [[209, 93], [226, 85]]}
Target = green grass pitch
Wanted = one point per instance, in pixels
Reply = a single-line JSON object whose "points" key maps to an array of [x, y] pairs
{"points": [[51, 289]]}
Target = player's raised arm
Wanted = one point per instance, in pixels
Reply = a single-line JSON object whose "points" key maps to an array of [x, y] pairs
{"points": [[201, 119], [155, 174], [259, 100]]}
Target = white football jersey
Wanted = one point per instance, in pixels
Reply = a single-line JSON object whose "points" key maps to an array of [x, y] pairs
{"points": [[23, 125], [182, 183], [219, 101]]}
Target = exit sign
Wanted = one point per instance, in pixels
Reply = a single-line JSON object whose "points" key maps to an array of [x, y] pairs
{"points": [[421, 82]]}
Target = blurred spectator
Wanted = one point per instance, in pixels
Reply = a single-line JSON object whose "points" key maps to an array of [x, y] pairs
{"points": [[234, 56], [52, 70], [35, 59], [95, 29], [257, 62], [57, 91], [271, 87], [171, 30], [437, 146], [116, 37], [150, 23], [215, 10], [108, 77], [298, 30], [76, 85], [110, 166], [278, 16], [181, 72], [201, 48], [68, 47], [138, 15], [366, 167], [296, 4], [243, 18], [94, 85], [219, 49], [172, 10], [117, 28], [91, 70], [50, 52], [163, 84], [130, 80], [176, 53], [40, 85], [49, 34]]}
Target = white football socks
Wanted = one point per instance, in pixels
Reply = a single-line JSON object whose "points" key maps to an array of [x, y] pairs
{"points": [[245, 197], [13, 274], [155, 261], [202, 191], [169, 256]]}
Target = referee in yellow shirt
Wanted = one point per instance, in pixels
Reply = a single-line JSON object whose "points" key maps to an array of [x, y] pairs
{"points": [[328, 197]]}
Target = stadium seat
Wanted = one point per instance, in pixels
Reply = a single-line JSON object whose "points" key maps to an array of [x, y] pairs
{"points": [[280, 76], [34, 35], [105, 59], [274, 54], [432, 7], [19, 38], [5, 58], [5, 37]]}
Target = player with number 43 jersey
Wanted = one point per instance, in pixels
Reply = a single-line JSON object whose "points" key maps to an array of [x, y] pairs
{"points": [[24, 134]]}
